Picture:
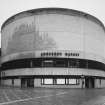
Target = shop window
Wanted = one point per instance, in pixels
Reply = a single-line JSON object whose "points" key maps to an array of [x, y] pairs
{"points": [[42, 81], [47, 81], [77, 81], [72, 81], [60, 81]]}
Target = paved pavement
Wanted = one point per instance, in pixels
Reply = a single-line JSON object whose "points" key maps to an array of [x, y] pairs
{"points": [[46, 96]]}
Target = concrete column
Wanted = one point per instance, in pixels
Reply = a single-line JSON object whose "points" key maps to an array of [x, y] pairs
{"points": [[37, 82], [17, 82]]}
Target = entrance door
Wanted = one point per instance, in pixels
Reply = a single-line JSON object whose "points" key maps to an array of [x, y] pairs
{"points": [[30, 82], [86, 82], [27, 82], [89, 82], [23, 83], [92, 85]]}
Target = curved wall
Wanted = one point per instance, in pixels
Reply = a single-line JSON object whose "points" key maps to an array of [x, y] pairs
{"points": [[61, 45], [52, 32]]}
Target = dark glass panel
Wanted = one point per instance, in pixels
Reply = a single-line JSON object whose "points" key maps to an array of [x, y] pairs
{"points": [[53, 62]]}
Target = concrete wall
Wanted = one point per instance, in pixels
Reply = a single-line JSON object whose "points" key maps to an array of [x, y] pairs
{"points": [[55, 71], [102, 83], [37, 82], [7, 82], [97, 83], [17, 82], [52, 31]]}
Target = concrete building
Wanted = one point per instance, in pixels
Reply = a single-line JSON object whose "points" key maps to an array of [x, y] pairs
{"points": [[53, 47]]}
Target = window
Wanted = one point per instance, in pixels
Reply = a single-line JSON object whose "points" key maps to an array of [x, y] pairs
{"points": [[60, 63], [47, 63], [72, 81], [73, 63], [36, 63], [60, 81], [52, 62], [47, 81]]}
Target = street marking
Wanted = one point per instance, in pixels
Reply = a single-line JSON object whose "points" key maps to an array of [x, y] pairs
{"points": [[27, 94], [20, 92], [21, 100], [6, 96], [2, 99], [14, 94]]}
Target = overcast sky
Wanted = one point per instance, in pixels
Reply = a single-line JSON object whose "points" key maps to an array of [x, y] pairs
{"points": [[11, 7]]}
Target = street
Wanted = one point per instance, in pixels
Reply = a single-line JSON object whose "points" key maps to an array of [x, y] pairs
{"points": [[47, 96]]}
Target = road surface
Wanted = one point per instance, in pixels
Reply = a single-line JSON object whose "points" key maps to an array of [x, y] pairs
{"points": [[46, 96]]}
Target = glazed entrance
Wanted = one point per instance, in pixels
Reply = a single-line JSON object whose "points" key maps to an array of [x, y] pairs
{"points": [[89, 82], [27, 82]]}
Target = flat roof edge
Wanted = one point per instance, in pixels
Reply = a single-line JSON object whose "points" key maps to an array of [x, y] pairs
{"points": [[52, 10]]}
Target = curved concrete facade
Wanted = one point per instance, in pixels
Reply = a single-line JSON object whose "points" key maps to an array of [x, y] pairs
{"points": [[51, 36]]}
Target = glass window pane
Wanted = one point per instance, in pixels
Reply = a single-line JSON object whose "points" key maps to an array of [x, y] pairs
{"points": [[72, 81], [60, 63], [48, 81], [60, 81], [47, 63]]}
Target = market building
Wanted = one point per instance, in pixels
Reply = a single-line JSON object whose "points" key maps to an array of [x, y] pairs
{"points": [[53, 47]]}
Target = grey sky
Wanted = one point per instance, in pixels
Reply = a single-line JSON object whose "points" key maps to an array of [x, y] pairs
{"points": [[11, 7]]}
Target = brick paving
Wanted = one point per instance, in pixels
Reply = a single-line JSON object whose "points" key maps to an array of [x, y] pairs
{"points": [[46, 96]]}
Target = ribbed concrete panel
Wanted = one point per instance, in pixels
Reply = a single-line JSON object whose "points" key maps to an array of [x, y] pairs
{"points": [[54, 71], [72, 38], [53, 32]]}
